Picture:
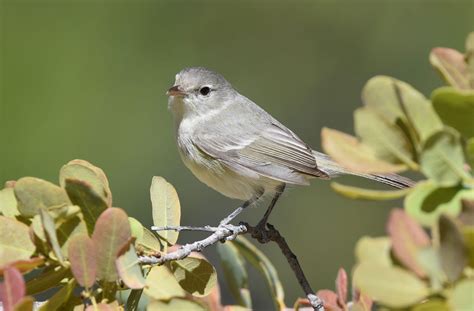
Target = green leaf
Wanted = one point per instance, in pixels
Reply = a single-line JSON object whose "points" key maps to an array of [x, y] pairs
{"points": [[176, 304], [354, 155], [430, 260], [12, 289], [366, 194], [85, 171], [49, 278], [390, 286], [82, 255], [112, 231], [166, 207], [128, 267], [235, 274], [60, 297], [50, 230], [461, 296], [133, 299], [69, 229], [91, 204], [426, 202], [25, 304], [149, 243], [195, 275], [442, 158], [374, 251], [8, 204], [162, 285], [261, 262], [136, 228], [34, 194], [15, 242], [468, 232], [451, 65], [470, 152], [407, 238], [387, 140], [431, 304], [453, 250], [456, 108]]}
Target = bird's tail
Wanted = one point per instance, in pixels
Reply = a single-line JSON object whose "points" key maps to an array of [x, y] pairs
{"points": [[332, 169]]}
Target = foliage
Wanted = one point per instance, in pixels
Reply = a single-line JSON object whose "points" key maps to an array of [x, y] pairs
{"points": [[69, 241], [426, 261]]}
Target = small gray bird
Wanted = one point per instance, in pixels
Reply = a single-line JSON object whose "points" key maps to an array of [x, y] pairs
{"points": [[238, 149]]}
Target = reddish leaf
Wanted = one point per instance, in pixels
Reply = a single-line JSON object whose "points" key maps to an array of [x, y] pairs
{"points": [[330, 299], [111, 232], [451, 65], [12, 290], [341, 287], [25, 265], [82, 255], [407, 238], [104, 307]]}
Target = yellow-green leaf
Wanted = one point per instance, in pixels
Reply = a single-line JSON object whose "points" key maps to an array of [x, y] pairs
{"points": [[367, 194], [374, 251], [60, 297], [453, 250], [176, 304], [8, 204], [166, 207], [451, 66], [129, 269], [195, 275], [462, 297], [390, 286], [162, 285], [15, 242]]}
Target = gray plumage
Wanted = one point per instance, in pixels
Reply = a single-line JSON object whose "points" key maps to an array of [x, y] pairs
{"points": [[236, 147]]}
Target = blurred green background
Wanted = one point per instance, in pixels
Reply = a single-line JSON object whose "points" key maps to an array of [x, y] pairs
{"points": [[87, 79]]}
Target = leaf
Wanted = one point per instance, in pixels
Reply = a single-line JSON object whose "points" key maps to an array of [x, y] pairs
{"points": [[25, 265], [49, 278], [374, 251], [93, 175], [391, 286], [442, 158], [112, 231], [407, 238], [15, 242], [91, 203], [341, 286], [82, 255], [162, 285], [166, 207], [260, 262], [34, 194], [133, 299], [195, 275], [387, 140], [25, 304], [430, 260], [354, 155], [466, 217], [470, 58], [60, 297], [8, 204], [69, 229], [176, 304], [451, 66], [427, 202], [235, 274], [50, 230], [470, 152], [136, 228], [104, 307], [453, 250], [12, 289], [128, 267], [431, 304], [468, 233], [461, 296], [402, 105], [366, 194], [456, 108]]}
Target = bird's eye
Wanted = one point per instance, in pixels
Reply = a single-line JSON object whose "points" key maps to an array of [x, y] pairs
{"points": [[205, 90]]}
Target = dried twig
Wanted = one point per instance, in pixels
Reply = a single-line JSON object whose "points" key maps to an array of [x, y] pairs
{"points": [[226, 231]]}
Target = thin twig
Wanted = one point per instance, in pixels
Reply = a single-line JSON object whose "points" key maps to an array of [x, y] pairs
{"points": [[184, 228]]}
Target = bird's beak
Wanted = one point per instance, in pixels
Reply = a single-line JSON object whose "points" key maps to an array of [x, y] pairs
{"points": [[175, 91]]}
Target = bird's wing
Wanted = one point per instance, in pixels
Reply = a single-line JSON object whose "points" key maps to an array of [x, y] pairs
{"points": [[272, 151]]}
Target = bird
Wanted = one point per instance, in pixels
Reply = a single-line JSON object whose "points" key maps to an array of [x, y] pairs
{"points": [[238, 149]]}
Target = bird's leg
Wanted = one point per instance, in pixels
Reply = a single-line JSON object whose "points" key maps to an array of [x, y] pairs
{"points": [[262, 223]]}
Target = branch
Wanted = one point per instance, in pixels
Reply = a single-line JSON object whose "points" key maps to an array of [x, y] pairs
{"points": [[227, 232]]}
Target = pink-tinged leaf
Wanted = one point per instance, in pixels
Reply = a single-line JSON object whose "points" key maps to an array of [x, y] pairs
{"points": [[12, 290], [407, 238], [329, 299], [82, 255], [111, 232], [362, 300], [341, 287], [24, 265], [128, 266], [451, 65]]}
